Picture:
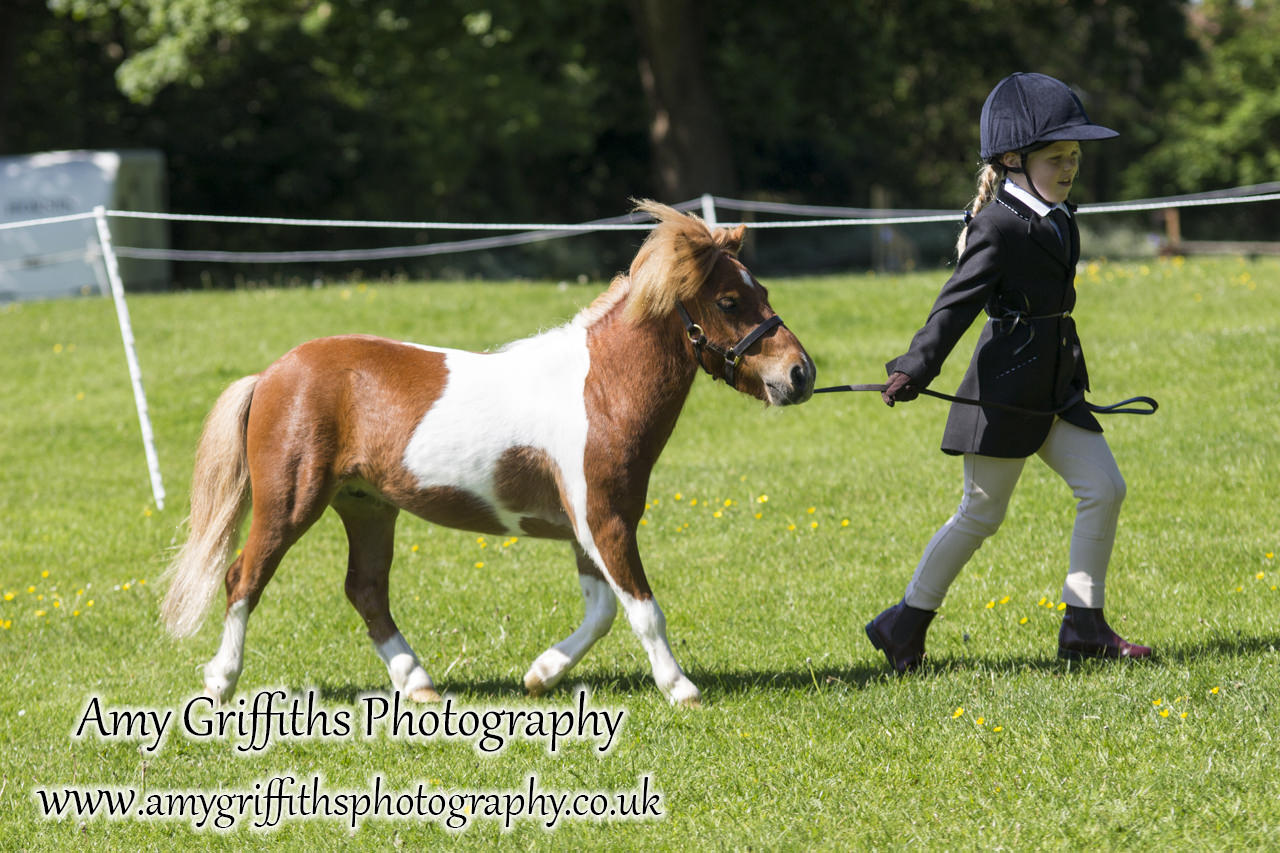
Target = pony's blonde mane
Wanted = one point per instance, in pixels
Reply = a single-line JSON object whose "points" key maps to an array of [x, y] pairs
{"points": [[671, 265]]}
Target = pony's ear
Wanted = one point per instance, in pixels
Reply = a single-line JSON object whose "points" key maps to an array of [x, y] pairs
{"points": [[730, 240]]}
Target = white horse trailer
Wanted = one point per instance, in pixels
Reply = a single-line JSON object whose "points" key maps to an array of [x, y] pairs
{"points": [[53, 260]]}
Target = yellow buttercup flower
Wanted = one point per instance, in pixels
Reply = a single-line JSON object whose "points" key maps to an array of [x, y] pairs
{"points": [[958, 713]]}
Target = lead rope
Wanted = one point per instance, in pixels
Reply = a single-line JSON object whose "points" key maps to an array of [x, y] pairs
{"points": [[1120, 408]]}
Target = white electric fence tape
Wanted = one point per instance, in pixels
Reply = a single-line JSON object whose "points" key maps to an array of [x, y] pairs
{"points": [[533, 232]]}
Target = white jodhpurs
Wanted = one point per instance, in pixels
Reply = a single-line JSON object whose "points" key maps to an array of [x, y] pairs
{"points": [[1083, 459]]}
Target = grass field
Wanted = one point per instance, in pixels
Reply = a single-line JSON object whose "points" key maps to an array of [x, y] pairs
{"points": [[771, 539]]}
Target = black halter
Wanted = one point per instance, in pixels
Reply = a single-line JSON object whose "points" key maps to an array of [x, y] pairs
{"points": [[731, 356]]}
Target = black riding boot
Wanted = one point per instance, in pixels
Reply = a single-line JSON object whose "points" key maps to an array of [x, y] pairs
{"points": [[899, 633], [1086, 634]]}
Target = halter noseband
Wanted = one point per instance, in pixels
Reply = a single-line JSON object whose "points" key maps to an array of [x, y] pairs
{"points": [[731, 356]]}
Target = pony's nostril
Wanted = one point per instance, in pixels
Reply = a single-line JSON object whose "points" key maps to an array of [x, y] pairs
{"points": [[800, 377]]}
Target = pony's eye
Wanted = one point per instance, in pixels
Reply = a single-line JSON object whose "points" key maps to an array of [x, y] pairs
{"points": [[727, 304]]}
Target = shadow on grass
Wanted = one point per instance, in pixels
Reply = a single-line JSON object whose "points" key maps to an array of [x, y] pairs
{"points": [[858, 676]]}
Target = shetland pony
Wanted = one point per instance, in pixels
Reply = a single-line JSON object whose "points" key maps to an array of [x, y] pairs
{"points": [[553, 436]]}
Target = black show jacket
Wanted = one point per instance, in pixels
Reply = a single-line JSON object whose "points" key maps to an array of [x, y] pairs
{"points": [[1016, 268]]}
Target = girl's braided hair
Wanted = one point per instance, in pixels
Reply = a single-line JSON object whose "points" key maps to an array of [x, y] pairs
{"points": [[989, 179]]}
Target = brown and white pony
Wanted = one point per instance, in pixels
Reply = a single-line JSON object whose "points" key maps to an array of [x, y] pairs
{"points": [[554, 436]]}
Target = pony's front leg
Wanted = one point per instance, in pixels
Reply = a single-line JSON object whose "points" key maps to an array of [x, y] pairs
{"points": [[615, 550], [650, 626], [600, 607]]}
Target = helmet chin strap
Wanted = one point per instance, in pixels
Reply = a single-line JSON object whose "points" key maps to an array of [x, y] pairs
{"points": [[1020, 170]]}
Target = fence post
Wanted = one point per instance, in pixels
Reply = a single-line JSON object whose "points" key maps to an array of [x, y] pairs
{"points": [[130, 354], [709, 210]]}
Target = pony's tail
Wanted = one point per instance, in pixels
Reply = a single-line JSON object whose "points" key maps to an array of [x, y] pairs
{"points": [[219, 502]]}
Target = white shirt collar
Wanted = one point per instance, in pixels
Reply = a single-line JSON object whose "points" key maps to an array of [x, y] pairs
{"points": [[1036, 205]]}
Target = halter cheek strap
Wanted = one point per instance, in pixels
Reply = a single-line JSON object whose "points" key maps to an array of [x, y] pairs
{"points": [[731, 356]]}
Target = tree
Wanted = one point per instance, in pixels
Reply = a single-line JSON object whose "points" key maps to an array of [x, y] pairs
{"points": [[1222, 114], [691, 152]]}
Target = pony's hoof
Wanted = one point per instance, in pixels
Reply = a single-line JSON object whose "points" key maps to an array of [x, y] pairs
{"points": [[686, 695], [219, 691], [546, 672], [219, 687], [425, 695]]}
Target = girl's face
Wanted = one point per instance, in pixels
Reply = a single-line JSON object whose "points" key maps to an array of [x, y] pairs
{"points": [[1051, 170]]}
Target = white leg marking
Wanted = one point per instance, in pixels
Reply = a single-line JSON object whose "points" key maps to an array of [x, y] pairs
{"points": [[646, 618], [651, 627], [407, 675], [222, 673], [600, 608]]}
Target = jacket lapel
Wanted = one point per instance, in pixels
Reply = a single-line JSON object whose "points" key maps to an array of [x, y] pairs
{"points": [[1041, 229]]}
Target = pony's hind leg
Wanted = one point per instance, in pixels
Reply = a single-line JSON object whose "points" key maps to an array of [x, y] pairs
{"points": [[371, 526], [248, 575], [281, 515], [600, 608]]}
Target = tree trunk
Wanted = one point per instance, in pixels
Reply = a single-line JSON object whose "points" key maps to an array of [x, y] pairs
{"points": [[690, 147]]}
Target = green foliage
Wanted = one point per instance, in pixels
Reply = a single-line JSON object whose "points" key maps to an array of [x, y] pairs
{"points": [[533, 111], [1223, 115], [804, 742], [172, 35]]}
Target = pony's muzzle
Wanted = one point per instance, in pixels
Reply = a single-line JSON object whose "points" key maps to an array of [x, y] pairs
{"points": [[802, 377]]}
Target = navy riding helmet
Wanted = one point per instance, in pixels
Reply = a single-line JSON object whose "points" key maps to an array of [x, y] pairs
{"points": [[1029, 111]]}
